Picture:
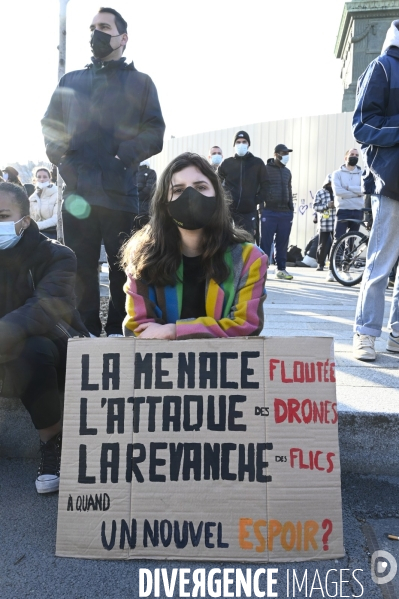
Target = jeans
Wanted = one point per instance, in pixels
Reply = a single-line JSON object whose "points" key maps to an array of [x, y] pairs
{"points": [[276, 224], [340, 227], [83, 236], [382, 253], [37, 375]]}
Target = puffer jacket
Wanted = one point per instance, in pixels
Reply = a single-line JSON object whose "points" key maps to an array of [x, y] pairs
{"points": [[347, 188], [102, 122], [43, 303], [376, 119], [278, 187], [245, 178], [146, 182], [43, 207]]}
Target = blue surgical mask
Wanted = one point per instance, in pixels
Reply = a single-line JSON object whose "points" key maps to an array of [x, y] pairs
{"points": [[216, 159], [8, 237], [241, 149], [284, 159]]}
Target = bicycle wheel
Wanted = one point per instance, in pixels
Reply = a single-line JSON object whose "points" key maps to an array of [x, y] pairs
{"points": [[348, 258]]}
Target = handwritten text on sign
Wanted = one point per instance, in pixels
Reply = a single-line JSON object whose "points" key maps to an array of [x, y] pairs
{"points": [[178, 448]]}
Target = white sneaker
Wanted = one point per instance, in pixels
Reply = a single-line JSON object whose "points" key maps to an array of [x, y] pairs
{"points": [[393, 344], [48, 475], [330, 277], [115, 335], [363, 347]]}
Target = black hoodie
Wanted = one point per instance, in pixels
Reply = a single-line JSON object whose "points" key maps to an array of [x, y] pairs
{"points": [[245, 178]]}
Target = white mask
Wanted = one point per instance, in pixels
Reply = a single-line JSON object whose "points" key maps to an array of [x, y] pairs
{"points": [[284, 159], [241, 149], [43, 185], [5, 176], [216, 159], [8, 237]]}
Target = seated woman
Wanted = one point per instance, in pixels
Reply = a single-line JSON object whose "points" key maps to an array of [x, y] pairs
{"points": [[37, 315], [43, 203], [191, 274]]}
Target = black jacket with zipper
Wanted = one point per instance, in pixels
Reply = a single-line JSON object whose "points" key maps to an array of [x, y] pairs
{"points": [[39, 292], [278, 187], [245, 178], [106, 110]]}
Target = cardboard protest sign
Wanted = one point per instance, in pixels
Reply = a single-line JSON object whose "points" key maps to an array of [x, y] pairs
{"points": [[221, 450]]}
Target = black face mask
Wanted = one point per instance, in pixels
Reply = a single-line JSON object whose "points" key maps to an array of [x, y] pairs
{"points": [[353, 160], [192, 210], [100, 43]]}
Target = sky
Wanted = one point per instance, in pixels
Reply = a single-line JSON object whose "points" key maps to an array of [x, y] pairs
{"points": [[216, 63]]}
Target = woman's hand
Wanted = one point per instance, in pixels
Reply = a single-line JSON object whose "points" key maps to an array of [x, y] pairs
{"points": [[152, 330]]}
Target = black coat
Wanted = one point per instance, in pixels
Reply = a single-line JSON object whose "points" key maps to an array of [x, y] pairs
{"points": [[245, 178], [106, 110], [278, 187], [37, 290], [146, 182]]}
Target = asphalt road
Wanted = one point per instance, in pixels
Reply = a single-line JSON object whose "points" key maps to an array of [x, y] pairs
{"points": [[29, 568]]}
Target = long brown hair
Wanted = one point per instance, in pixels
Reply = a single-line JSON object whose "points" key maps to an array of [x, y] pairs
{"points": [[154, 253]]}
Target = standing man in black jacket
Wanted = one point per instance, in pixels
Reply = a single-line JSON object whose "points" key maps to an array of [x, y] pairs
{"points": [[244, 176], [102, 121], [278, 211]]}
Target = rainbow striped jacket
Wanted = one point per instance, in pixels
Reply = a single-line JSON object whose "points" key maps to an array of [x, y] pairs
{"points": [[233, 309]]}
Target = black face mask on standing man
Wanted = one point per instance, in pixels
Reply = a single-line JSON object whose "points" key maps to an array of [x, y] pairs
{"points": [[100, 43]]}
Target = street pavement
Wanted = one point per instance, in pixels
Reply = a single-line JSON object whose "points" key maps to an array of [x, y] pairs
{"points": [[305, 306]]}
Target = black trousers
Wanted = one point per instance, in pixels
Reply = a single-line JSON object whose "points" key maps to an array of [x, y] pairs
{"points": [[325, 241], [37, 376], [249, 222], [84, 236]]}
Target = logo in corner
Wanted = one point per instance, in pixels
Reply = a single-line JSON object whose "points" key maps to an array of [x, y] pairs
{"points": [[383, 567]]}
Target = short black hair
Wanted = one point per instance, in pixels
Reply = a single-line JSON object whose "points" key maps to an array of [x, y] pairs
{"points": [[20, 197], [120, 22]]}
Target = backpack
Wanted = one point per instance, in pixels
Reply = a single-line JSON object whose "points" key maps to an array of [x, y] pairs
{"points": [[294, 254]]}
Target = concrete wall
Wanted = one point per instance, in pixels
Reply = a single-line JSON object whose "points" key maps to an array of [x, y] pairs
{"points": [[319, 144]]}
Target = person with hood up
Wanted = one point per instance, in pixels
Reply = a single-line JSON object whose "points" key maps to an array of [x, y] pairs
{"points": [[324, 205], [376, 126], [43, 203], [278, 211], [244, 177], [146, 182], [102, 121], [37, 316]]}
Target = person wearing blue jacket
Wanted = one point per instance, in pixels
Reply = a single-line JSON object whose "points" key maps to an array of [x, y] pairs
{"points": [[376, 127], [102, 121]]}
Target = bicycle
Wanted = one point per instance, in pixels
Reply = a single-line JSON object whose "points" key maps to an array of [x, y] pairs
{"points": [[348, 254]]}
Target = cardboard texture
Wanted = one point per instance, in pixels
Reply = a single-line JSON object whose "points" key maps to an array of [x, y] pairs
{"points": [[219, 450]]}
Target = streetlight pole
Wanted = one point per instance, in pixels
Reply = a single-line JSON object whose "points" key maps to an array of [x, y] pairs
{"points": [[61, 72]]}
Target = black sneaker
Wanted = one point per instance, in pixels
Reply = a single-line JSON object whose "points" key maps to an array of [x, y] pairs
{"points": [[48, 475]]}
